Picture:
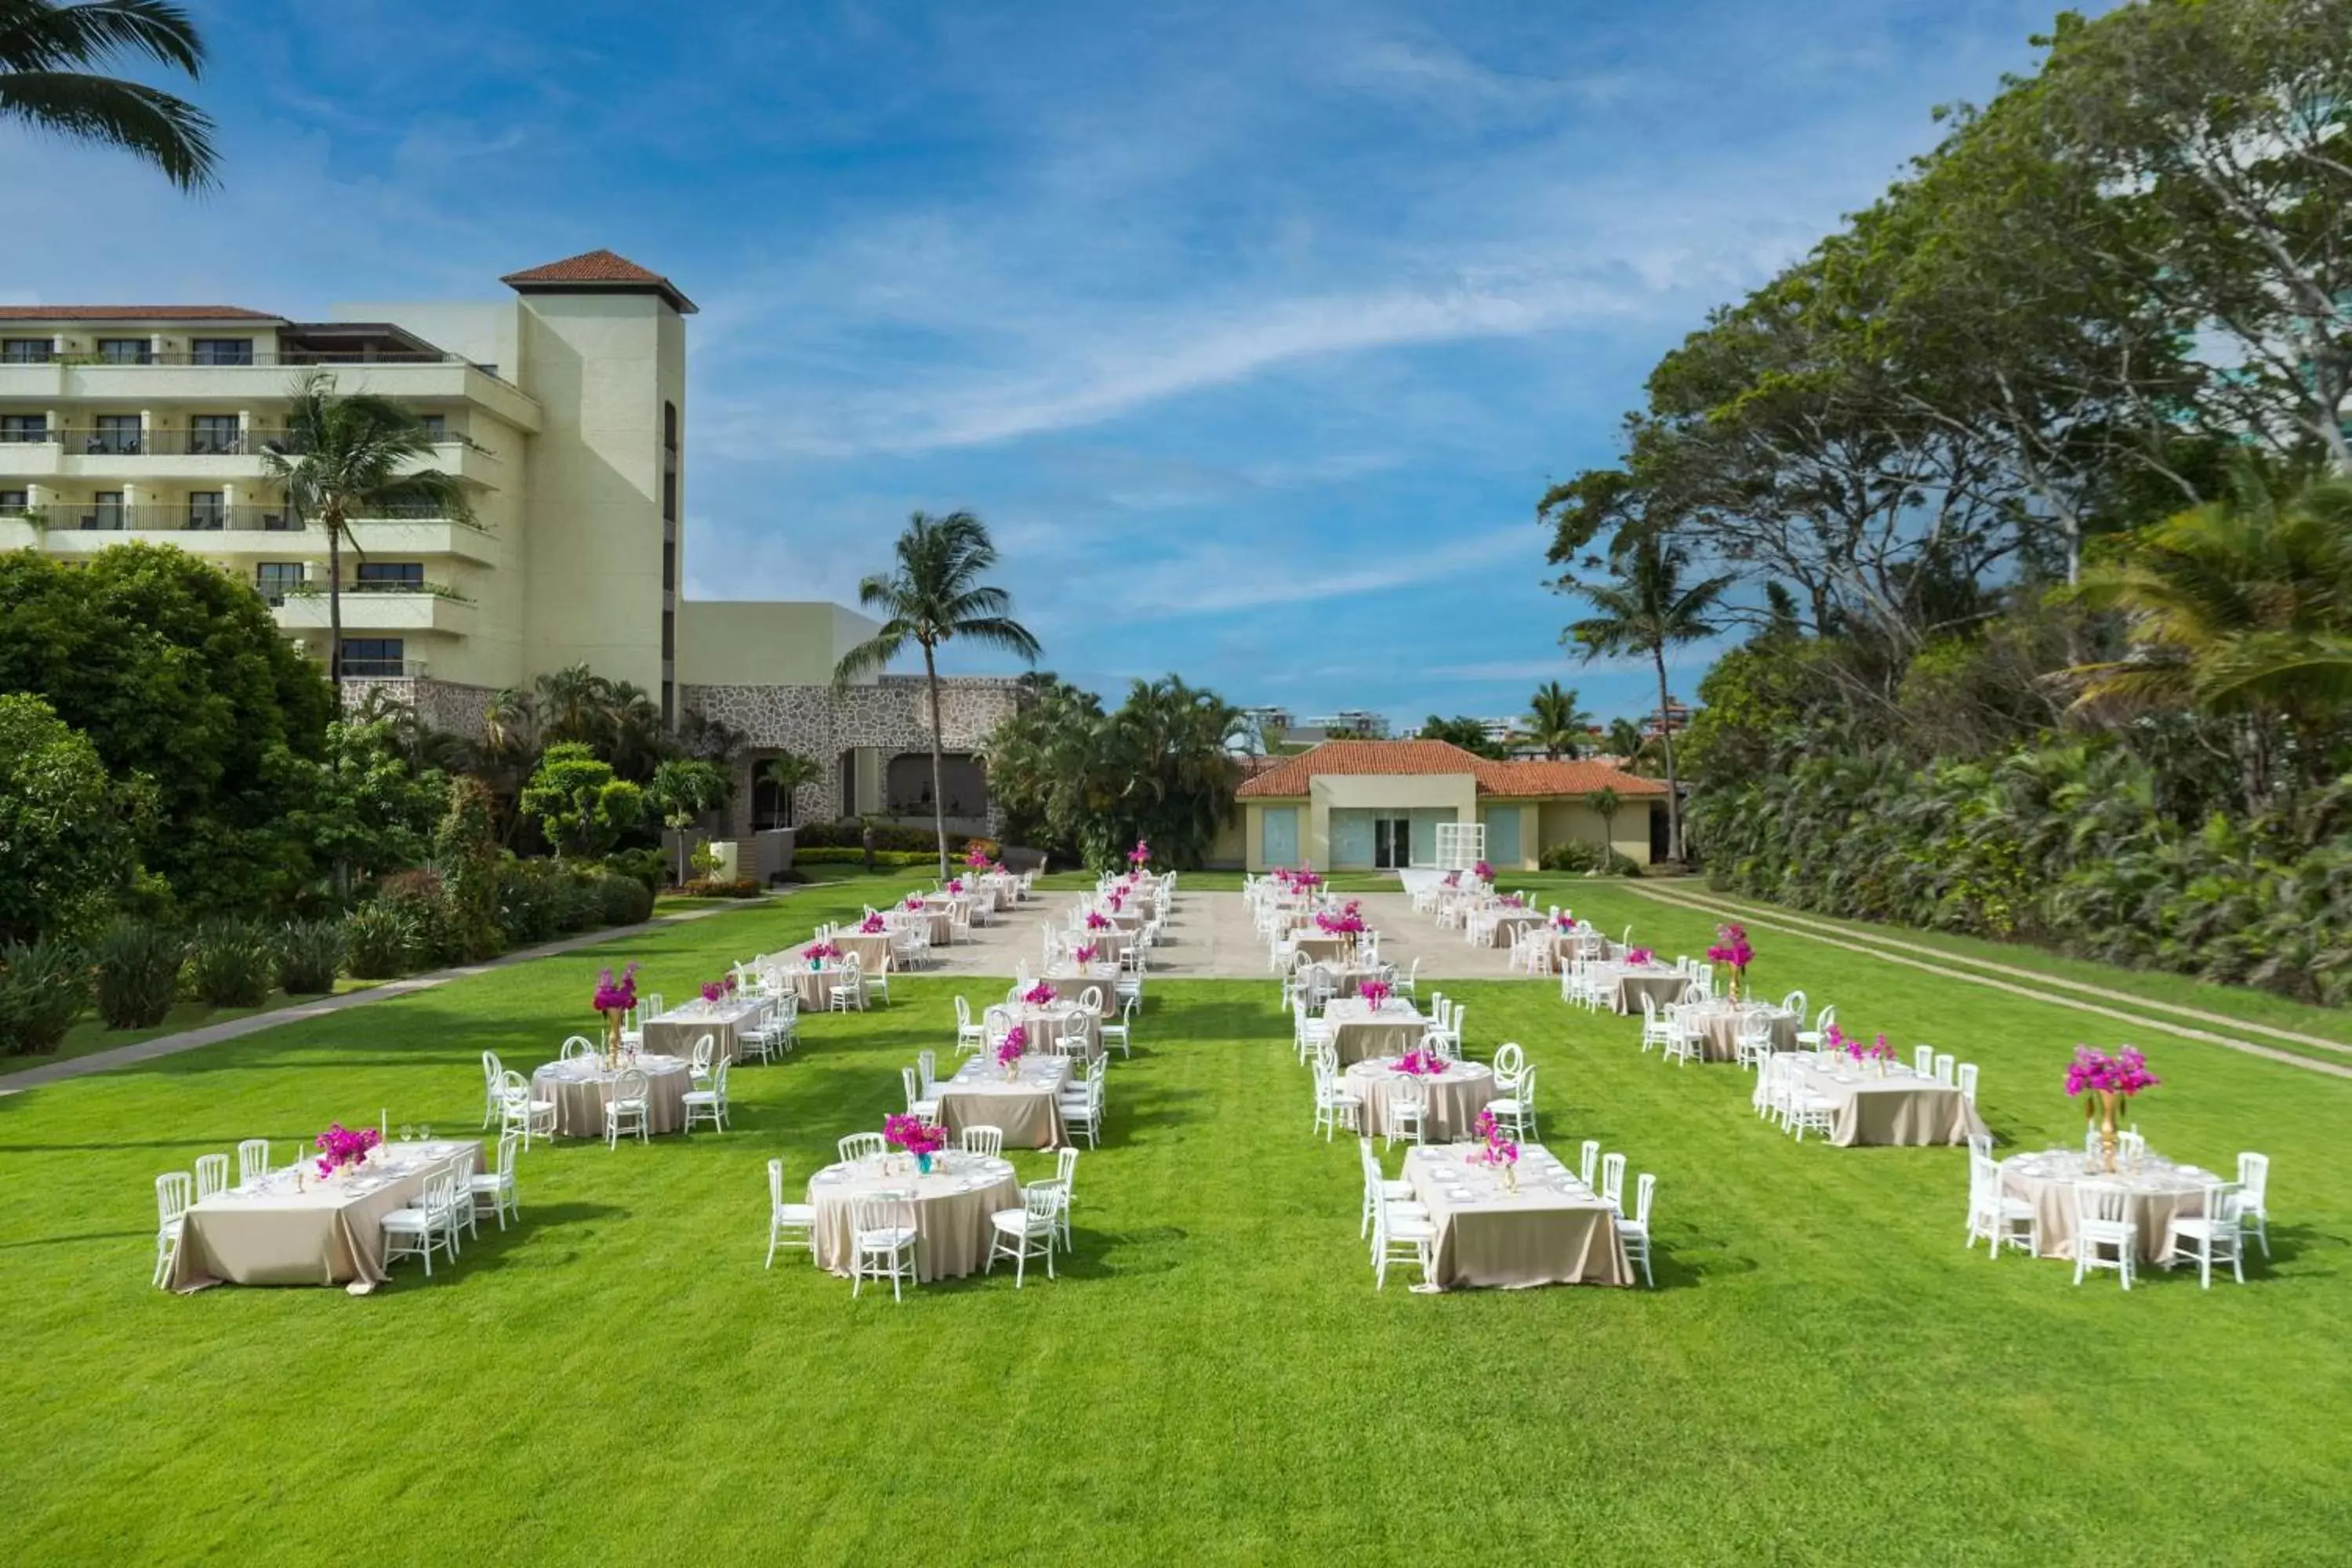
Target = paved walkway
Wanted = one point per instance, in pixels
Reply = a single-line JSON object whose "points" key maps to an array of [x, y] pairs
{"points": [[254, 1023]]}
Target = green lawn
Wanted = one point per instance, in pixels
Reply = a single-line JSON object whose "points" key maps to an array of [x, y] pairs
{"points": [[1824, 1375], [90, 1035]]}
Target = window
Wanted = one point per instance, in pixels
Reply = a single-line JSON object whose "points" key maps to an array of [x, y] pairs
{"points": [[14, 501], [117, 434], [26, 351], [670, 498], [392, 573], [669, 427], [435, 425], [670, 636], [20, 427], [207, 510], [215, 434], [126, 350], [378, 659], [771, 808], [220, 351], [106, 510], [669, 566], [273, 580]]}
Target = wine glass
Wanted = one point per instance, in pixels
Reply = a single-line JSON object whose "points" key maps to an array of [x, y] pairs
{"points": [[407, 1132], [425, 1133]]}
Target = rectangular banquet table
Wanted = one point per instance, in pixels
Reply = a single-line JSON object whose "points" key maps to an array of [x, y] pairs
{"points": [[1319, 947], [325, 1233], [1553, 1231], [1901, 1108], [1661, 983], [1507, 924], [1357, 1032], [981, 1096], [674, 1033]]}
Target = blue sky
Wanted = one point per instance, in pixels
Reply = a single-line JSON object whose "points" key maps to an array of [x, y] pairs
{"points": [[1253, 330]]}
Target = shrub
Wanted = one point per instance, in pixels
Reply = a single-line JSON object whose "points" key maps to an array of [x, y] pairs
{"points": [[623, 900], [443, 933], [466, 851], [43, 985], [895, 858], [231, 964], [1575, 855], [310, 953], [852, 835], [381, 941], [527, 905], [649, 865], [719, 888], [138, 974]]}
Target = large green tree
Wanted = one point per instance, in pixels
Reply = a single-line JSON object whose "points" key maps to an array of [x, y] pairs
{"points": [[347, 454], [53, 59], [1072, 778], [934, 595], [180, 679], [578, 803], [1554, 723], [65, 850], [1462, 731], [368, 811]]}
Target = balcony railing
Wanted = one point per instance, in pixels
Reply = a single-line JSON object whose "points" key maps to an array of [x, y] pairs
{"points": [[165, 516], [354, 668], [84, 441], [318, 590]]}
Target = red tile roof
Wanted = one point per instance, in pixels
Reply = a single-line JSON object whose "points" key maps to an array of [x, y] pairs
{"points": [[598, 268], [132, 313], [1288, 778]]}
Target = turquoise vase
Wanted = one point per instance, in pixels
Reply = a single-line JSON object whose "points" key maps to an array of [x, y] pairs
{"points": [[923, 1164]]}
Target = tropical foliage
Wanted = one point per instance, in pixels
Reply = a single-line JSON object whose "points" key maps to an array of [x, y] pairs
{"points": [[1086, 784], [51, 57]]}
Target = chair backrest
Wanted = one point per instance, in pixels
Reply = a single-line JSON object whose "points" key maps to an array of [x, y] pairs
{"points": [[1043, 1202], [1923, 1060], [650, 1006], [775, 1184], [212, 1175], [861, 1146], [926, 1067], [1091, 998], [1984, 1176], [461, 1166], [987, 1141], [632, 1084], [575, 1046], [513, 1086], [1510, 1060], [1829, 1016], [1944, 1066], [491, 1068], [1065, 1167], [871, 1211], [1980, 1143], [1612, 1176], [2102, 1202], [1526, 1091], [2225, 1204], [1968, 1081], [704, 1050], [1793, 1003], [1458, 1023], [914, 1091], [1645, 1188], [509, 1145], [963, 1014], [1589, 1158], [718, 1079], [2255, 1178], [174, 1191], [253, 1156], [1649, 1010]]}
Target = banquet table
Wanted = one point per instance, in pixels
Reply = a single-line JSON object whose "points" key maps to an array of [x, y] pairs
{"points": [[320, 1232], [814, 987], [952, 1205], [674, 1033], [981, 1096], [1112, 942], [1902, 1108], [1319, 947], [1344, 980], [1718, 1025], [872, 948], [1553, 1231], [947, 906], [1455, 1097], [2160, 1192], [1507, 924], [1051, 1022], [581, 1087], [1073, 984], [1628, 984], [1357, 1032]]}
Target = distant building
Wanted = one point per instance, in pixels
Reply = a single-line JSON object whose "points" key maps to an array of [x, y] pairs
{"points": [[1676, 714], [1359, 722]]}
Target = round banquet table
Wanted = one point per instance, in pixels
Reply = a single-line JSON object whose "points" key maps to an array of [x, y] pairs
{"points": [[580, 1088], [2160, 1192], [814, 987], [1455, 1096], [1718, 1023], [952, 1205]]}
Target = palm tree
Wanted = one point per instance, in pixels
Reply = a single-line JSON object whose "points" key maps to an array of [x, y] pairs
{"points": [[788, 772], [46, 51], [1626, 740], [1647, 608], [1604, 803], [342, 455], [931, 597], [575, 703], [1558, 724]]}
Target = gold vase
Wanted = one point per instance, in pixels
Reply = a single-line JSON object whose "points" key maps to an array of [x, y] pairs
{"points": [[613, 1016], [1734, 991], [2107, 1098], [1511, 1177]]}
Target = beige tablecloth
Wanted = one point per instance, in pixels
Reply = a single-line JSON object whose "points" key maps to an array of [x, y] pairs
{"points": [[1539, 1234], [2160, 1192], [873, 950], [814, 987], [1507, 924], [1455, 1097], [1358, 1033], [1046, 1025], [1075, 984], [1113, 943], [580, 1088], [1900, 1109], [1662, 984], [952, 1205], [1719, 1026], [325, 1233], [1319, 947], [980, 1096], [1344, 980], [675, 1033]]}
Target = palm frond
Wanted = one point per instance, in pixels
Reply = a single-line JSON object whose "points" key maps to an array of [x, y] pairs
{"points": [[169, 132]]}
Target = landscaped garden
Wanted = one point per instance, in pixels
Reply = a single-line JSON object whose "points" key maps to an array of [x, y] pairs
{"points": [[1822, 1373]]}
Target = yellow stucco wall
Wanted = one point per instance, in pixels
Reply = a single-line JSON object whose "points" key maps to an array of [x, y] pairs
{"points": [[726, 642]]}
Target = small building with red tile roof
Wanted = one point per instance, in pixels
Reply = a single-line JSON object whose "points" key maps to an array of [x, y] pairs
{"points": [[1366, 805]]}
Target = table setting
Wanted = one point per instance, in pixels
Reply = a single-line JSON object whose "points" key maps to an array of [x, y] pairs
{"points": [[1018, 1095], [1453, 1092], [719, 1015], [1626, 980], [1513, 1224], [1718, 1025], [1361, 1029], [1884, 1101], [2160, 1191], [300, 1224], [952, 1201], [580, 1086]]}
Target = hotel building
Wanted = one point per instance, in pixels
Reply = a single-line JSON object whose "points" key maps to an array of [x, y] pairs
{"points": [[562, 409]]}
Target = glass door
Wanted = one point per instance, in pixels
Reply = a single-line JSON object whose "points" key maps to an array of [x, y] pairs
{"points": [[1391, 842]]}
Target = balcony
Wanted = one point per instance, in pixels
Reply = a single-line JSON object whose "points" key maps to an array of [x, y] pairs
{"points": [[424, 378], [84, 528], [405, 608]]}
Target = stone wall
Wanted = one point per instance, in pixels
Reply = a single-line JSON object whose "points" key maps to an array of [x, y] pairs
{"points": [[438, 704], [889, 716]]}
